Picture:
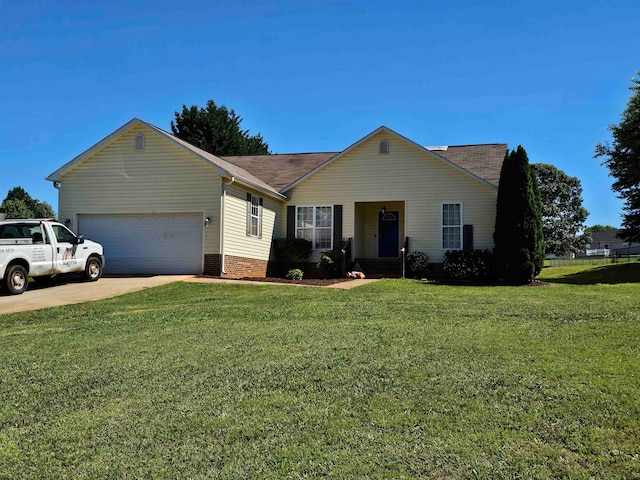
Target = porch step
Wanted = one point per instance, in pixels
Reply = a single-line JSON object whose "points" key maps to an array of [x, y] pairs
{"points": [[381, 267]]}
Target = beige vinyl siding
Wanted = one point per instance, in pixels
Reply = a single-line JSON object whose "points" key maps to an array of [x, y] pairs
{"points": [[161, 178], [405, 174], [236, 241]]}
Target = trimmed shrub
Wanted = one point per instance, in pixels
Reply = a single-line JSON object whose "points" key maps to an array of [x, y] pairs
{"points": [[291, 253], [417, 265], [330, 264], [294, 274], [472, 266]]}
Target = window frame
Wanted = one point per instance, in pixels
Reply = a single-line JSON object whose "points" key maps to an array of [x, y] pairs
{"points": [[458, 226], [251, 215], [314, 228]]}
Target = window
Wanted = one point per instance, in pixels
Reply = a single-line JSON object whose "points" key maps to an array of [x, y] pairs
{"points": [[139, 142], [384, 146], [452, 226], [63, 234], [316, 225], [254, 216]]}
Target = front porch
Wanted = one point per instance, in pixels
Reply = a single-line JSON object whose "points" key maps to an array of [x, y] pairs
{"points": [[379, 235]]}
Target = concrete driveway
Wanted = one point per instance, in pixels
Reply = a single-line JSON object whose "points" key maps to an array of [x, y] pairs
{"points": [[72, 289]]}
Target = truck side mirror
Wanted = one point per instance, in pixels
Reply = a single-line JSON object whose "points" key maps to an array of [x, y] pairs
{"points": [[79, 239]]}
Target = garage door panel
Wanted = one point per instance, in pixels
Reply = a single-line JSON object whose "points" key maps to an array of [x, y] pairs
{"points": [[147, 244]]}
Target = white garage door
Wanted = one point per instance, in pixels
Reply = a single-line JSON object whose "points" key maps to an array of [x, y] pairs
{"points": [[147, 244]]}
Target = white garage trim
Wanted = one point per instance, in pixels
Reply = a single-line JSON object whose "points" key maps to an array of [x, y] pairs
{"points": [[147, 243]]}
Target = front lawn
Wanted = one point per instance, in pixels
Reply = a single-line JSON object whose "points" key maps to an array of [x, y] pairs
{"points": [[396, 379]]}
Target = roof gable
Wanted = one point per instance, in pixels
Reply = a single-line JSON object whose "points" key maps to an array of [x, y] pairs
{"points": [[481, 162], [276, 174], [223, 167]]}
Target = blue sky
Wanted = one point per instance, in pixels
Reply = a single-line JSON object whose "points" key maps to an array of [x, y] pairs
{"points": [[317, 75]]}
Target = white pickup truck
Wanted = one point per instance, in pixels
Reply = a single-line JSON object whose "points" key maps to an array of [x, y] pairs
{"points": [[42, 248]]}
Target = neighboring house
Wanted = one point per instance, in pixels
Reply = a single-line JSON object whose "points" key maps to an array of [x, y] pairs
{"points": [[161, 205], [608, 243]]}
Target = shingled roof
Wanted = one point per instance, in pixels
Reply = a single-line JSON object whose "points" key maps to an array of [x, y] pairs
{"points": [[280, 171], [484, 161]]}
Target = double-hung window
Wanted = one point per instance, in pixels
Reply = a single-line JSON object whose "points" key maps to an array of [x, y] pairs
{"points": [[254, 216], [316, 225], [451, 226]]}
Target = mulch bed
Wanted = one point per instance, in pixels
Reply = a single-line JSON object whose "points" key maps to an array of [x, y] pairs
{"points": [[465, 283], [319, 282], [323, 282]]}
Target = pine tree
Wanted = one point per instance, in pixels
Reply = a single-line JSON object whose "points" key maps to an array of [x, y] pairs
{"points": [[518, 237]]}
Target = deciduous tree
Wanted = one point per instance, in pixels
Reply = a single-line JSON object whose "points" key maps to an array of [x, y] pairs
{"points": [[19, 204], [598, 228], [563, 215], [216, 130], [622, 157]]}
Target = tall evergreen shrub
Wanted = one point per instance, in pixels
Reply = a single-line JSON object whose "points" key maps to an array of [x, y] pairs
{"points": [[519, 242]]}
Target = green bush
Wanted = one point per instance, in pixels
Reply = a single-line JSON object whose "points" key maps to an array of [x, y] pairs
{"points": [[330, 264], [473, 265], [291, 253], [294, 274], [417, 265]]}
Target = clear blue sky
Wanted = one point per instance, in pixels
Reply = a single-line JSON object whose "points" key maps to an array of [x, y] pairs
{"points": [[317, 75]]}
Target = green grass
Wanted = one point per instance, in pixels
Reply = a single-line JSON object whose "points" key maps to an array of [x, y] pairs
{"points": [[590, 275], [396, 379]]}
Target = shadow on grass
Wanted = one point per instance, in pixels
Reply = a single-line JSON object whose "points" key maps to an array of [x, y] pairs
{"points": [[609, 274]]}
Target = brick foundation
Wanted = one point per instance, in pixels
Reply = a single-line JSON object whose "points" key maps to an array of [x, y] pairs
{"points": [[236, 267], [212, 264]]}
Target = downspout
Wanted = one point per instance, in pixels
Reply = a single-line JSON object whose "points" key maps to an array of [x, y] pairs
{"points": [[222, 207]]}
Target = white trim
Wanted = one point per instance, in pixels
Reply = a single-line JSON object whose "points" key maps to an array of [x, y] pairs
{"points": [[442, 226], [313, 229], [400, 137], [251, 216]]}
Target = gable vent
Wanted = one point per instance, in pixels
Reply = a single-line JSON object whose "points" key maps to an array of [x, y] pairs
{"points": [[384, 146], [138, 143]]}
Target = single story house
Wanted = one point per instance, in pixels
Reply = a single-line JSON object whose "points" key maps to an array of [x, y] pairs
{"points": [[608, 243], [160, 205]]}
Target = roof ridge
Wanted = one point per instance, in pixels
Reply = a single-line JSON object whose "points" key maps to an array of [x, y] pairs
{"points": [[283, 154], [478, 144]]}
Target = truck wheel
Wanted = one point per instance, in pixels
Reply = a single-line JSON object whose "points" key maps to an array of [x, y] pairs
{"points": [[16, 279], [93, 269]]}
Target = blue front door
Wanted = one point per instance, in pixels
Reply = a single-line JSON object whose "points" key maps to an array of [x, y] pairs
{"points": [[388, 234]]}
